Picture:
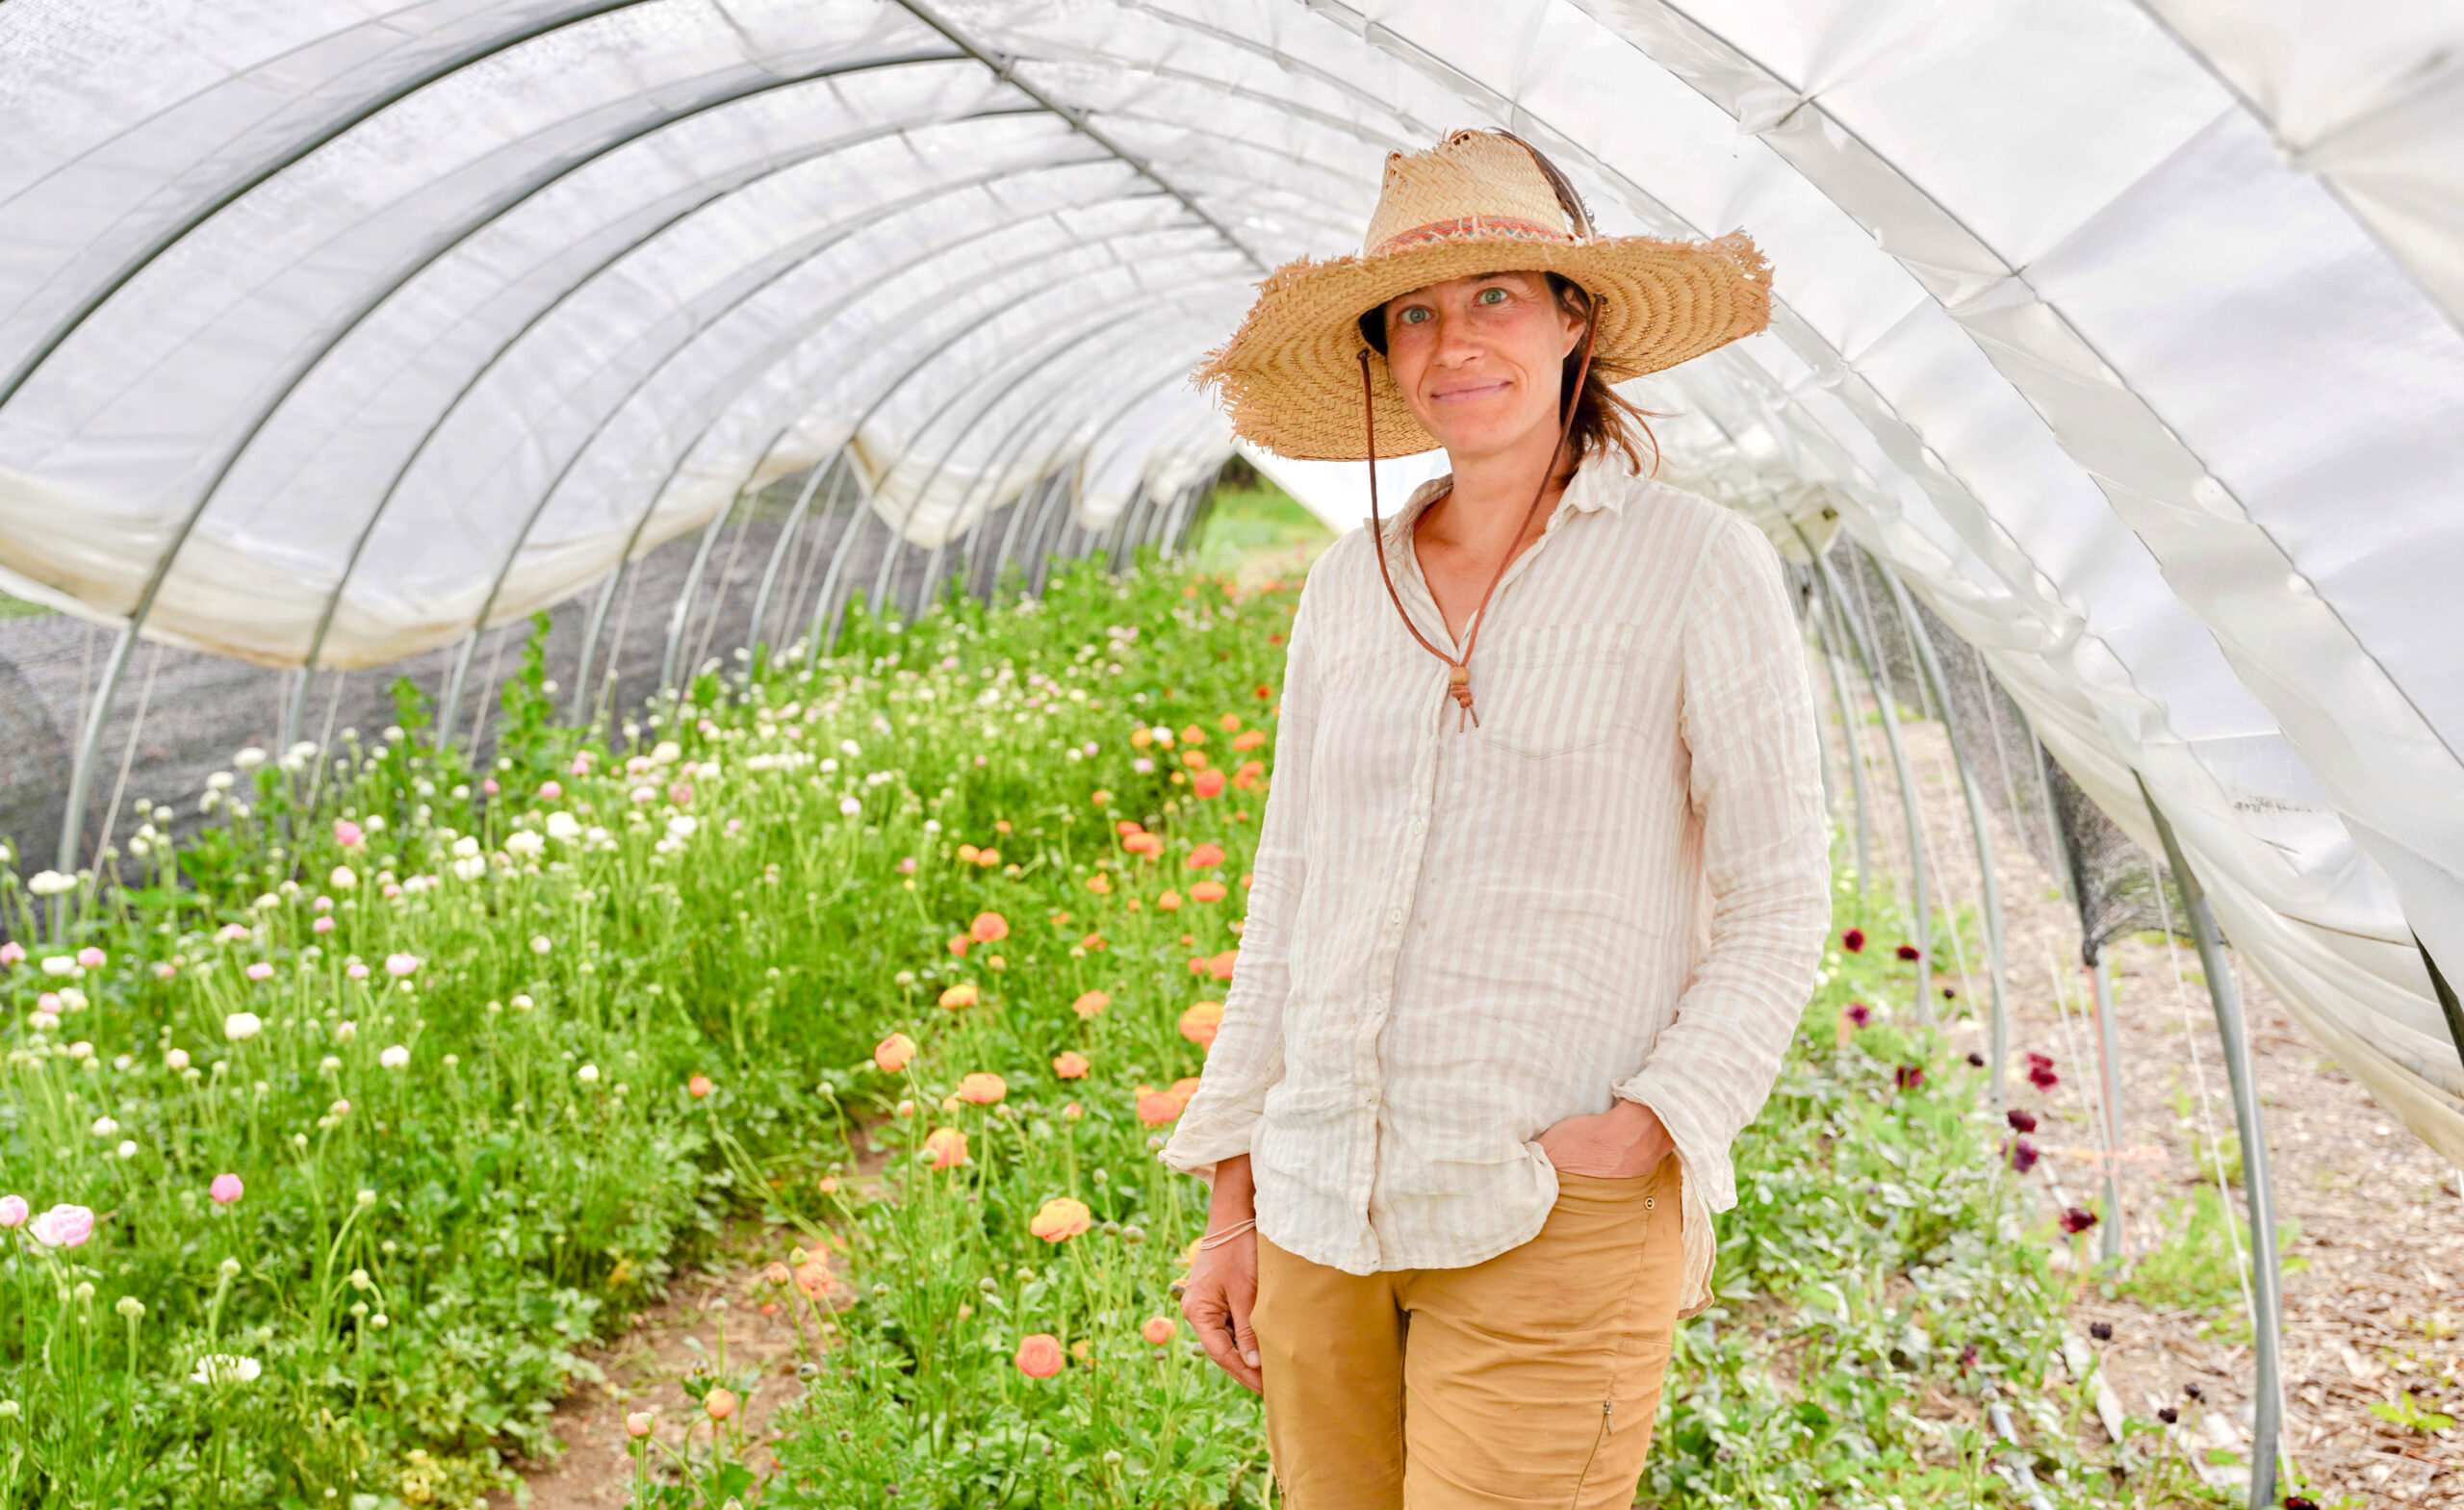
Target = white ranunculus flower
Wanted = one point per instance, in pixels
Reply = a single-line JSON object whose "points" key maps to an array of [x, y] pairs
{"points": [[50, 884], [470, 867], [683, 825], [249, 760], [241, 1025], [529, 843], [850, 808], [344, 877], [219, 781], [561, 826], [394, 1058], [588, 1074], [226, 1369]]}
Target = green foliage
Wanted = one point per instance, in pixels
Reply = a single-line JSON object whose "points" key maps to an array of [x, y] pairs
{"points": [[2193, 1269]]}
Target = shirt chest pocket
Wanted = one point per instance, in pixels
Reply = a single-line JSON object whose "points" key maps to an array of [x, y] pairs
{"points": [[1552, 690]]}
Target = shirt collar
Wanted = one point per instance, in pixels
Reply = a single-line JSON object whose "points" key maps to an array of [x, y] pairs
{"points": [[1599, 482]]}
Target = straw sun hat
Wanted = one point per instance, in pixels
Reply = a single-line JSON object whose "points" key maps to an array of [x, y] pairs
{"points": [[1480, 201]]}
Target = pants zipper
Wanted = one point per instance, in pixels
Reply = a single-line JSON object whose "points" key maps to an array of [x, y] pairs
{"points": [[1607, 1423]]}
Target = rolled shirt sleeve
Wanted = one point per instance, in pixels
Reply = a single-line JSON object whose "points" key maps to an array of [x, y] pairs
{"points": [[1755, 785], [1247, 1058]]}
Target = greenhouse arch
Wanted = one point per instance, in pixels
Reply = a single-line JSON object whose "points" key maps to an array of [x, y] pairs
{"points": [[2128, 337]]}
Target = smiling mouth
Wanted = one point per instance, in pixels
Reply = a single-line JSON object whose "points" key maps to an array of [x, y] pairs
{"points": [[1467, 392]]}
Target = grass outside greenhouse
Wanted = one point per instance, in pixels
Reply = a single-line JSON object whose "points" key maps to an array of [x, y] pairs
{"points": [[342, 1127]]}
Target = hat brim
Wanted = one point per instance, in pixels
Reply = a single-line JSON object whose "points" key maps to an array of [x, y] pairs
{"points": [[1290, 376]]}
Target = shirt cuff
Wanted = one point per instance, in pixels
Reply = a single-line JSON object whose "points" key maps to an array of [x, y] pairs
{"points": [[1197, 1144], [1707, 1170]]}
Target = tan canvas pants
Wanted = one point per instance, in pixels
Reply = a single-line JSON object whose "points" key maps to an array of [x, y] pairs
{"points": [[1530, 1379]]}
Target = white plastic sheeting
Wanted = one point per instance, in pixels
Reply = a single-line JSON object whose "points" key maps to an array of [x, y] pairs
{"points": [[2128, 333]]}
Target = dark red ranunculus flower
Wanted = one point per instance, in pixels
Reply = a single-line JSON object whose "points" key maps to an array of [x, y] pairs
{"points": [[2168, 1415], [2036, 1060], [2043, 1078], [1853, 940], [2022, 1122], [1859, 1013], [1950, 993], [2023, 1155], [2101, 1331], [1976, 1059], [2076, 1220], [1907, 952], [1909, 1076]]}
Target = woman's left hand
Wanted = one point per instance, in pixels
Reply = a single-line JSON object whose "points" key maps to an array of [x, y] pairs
{"points": [[1619, 1143]]}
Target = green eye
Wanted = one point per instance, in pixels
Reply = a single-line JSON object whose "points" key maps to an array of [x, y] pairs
{"points": [[1413, 316], [1493, 295]]}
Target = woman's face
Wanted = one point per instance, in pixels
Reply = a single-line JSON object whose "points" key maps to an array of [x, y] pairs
{"points": [[1480, 360]]}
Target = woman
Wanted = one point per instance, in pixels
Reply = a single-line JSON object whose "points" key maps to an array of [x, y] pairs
{"points": [[1525, 921]]}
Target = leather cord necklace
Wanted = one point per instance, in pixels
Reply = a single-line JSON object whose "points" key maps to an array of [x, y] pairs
{"points": [[1458, 672]]}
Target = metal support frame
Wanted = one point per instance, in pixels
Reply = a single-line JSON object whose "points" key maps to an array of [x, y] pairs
{"points": [[882, 590], [1822, 615], [848, 536], [1989, 880], [830, 237], [453, 696], [2267, 1300], [2100, 980], [1919, 884]]}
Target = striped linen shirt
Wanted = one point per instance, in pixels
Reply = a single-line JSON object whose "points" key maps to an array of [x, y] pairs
{"points": [[1616, 885]]}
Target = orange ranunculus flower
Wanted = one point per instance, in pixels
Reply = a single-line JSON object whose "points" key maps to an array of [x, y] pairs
{"points": [[1194, 759], [1144, 843], [1101, 797], [1099, 883], [1071, 1065], [815, 1279], [948, 1147], [1207, 783], [1092, 941], [699, 1086], [988, 856], [1159, 1329], [988, 928], [962, 994], [1081, 1349], [893, 1052], [983, 1087], [959, 944], [1141, 738], [1250, 740], [1221, 966], [829, 1184], [907, 1107], [720, 1403], [1201, 1023], [1231, 722], [778, 1273], [1072, 1111], [1193, 735], [968, 853], [1246, 778], [1156, 1108], [1062, 1217], [1091, 1003], [1205, 854], [1127, 827], [1197, 964], [1169, 902], [1183, 1089], [1040, 1356], [1208, 891]]}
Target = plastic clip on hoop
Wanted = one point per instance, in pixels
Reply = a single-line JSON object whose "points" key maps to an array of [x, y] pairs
{"points": [[1458, 672]]}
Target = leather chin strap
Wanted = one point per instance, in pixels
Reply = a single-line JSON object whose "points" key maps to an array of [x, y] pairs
{"points": [[1458, 673]]}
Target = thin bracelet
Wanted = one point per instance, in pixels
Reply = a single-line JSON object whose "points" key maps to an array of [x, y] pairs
{"points": [[1215, 1239]]}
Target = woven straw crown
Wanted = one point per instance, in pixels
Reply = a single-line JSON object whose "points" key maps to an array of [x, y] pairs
{"points": [[1478, 202]]}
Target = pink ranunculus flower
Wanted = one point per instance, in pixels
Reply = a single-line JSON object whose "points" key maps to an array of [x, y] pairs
{"points": [[63, 1227], [91, 958], [225, 1189], [550, 791], [14, 1211], [490, 786], [401, 964], [356, 971], [322, 925], [582, 765], [348, 835], [261, 971], [1040, 1356], [12, 952]]}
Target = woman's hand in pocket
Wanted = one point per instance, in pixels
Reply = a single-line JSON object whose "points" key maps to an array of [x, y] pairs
{"points": [[1619, 1143]]}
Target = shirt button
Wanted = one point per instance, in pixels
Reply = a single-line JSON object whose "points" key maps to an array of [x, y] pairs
{"points": [[1395, 917]]}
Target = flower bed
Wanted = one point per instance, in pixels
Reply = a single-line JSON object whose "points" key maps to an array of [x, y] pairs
{"points": [[404, 1079]]}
